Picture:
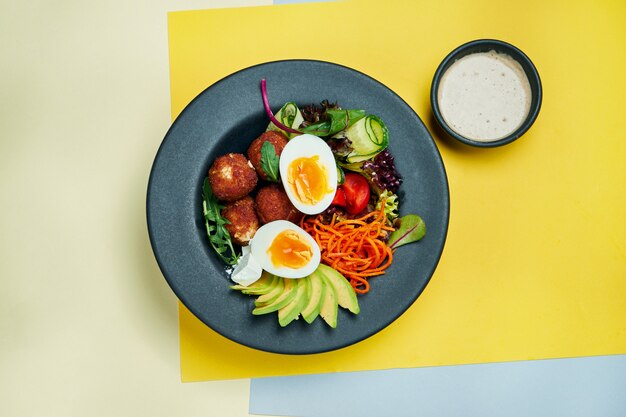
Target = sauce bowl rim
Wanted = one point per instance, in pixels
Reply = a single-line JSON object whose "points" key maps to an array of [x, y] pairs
{"points": [[485, 45]]}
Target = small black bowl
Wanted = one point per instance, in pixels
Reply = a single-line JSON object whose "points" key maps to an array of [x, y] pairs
{"points": [[486, 45]]}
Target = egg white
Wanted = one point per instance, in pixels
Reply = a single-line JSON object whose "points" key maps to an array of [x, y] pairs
{"points": [[309, 146], [264, 237]]}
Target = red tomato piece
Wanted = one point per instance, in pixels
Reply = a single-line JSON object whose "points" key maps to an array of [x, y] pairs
{"points": [[340, 198], [357, 192]]}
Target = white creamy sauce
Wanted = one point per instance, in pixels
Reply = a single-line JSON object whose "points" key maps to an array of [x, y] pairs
{"points": [[484, 96]]}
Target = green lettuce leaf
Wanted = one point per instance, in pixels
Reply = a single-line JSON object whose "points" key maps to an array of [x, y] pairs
{"points": [[338, 120], [410, 228]]}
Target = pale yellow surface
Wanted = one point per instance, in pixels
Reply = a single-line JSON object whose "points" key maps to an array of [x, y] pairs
{"points": [[535, 265], [88, 325]]}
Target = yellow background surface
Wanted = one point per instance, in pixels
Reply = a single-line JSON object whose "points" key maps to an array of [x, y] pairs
{"points": [[534, 265]]}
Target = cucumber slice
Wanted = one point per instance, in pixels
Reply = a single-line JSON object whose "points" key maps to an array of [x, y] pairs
{"points": [[369, 136], [354, 167], [289, 115], [341, 177]]}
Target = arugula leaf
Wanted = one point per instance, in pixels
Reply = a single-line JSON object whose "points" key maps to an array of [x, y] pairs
{"points": [[411, 229], [269, 161], [219, 238]]}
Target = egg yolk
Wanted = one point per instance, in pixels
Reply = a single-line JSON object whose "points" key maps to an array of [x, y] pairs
{"points": [[307, 178], [289, 249]]}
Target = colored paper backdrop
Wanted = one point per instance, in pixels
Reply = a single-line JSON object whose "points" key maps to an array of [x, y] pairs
{"points": [[579, 387], [534, 265]]}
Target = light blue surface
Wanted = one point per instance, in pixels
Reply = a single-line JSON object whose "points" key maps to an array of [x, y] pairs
{"points": [[578, 387]]}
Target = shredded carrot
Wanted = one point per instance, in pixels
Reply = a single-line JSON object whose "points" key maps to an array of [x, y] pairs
{"points": [[353, 247]]}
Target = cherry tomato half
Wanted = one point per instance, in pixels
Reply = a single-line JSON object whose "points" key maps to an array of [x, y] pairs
{"points": [[340, 198], [357, 191]]}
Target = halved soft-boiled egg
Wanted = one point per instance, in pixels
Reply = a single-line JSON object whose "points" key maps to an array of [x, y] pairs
{"points": [[309, 173], [285, 250]]}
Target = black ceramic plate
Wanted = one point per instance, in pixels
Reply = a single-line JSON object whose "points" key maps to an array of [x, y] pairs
{"points": [[226, 117]]}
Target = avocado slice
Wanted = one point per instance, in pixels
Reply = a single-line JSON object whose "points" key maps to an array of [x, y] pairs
{"points": [[312, 309], [273, 294], [291, 311], [346, 297], [288, 294], [264, 285], [328, 309]]}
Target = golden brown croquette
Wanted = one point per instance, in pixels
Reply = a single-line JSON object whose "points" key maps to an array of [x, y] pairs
{"points": [[243, 220], [232, 177], [254, 151], [272, 203]]}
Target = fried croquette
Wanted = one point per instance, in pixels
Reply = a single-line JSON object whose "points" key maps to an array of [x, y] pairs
{"points": [[272, 203], [243, 220], [254, 151], [232, 177]]}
